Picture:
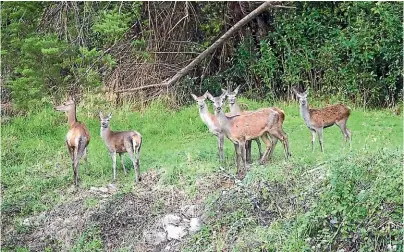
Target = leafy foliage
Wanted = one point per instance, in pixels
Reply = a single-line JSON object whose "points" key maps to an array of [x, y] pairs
{"points": [[345, 50], [349, 49]]}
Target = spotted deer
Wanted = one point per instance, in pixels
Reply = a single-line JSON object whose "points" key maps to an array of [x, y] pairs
{"points": [[318, 119], [235, 110], [210, 121], [77, 138], [241, 128], [121, 142]]}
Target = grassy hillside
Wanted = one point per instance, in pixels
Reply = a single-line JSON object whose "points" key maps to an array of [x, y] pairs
{"points": [[339, 199]]}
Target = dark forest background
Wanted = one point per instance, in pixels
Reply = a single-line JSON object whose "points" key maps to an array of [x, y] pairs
{"points": [[345, 51]]}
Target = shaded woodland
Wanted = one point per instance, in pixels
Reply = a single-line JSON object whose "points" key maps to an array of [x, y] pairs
{"points": [[347, 51]]}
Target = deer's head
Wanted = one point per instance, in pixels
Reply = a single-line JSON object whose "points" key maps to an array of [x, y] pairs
{"points": [[231, 96], [301, 96], [104, 120], [66, 106], [200, 100], [218, 101]]}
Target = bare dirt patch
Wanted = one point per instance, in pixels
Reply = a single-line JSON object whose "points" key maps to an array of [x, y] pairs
{"points": [[124, 219]]}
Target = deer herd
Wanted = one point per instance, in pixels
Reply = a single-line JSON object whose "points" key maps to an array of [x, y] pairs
{"points": [[240, 127]]}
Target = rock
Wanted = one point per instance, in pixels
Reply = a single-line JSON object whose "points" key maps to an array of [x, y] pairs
{"points": [[103, 189], [190, 211], [93, 189], [174, 232], [171, 219], [112, 188], [27, 222], [195, 225], [66, 222], [155, 237], [167, 248]]}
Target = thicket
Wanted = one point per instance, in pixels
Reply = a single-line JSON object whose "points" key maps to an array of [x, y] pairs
{"points": [[349, 50]]}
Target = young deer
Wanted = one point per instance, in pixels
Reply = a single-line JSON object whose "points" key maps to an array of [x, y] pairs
{"points": [[210, 121], [121, 142], [248, 126], [318, 119], [235, 110], [77, 138]]}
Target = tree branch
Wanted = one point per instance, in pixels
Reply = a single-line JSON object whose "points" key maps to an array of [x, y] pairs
{"points": [[209, 50]]}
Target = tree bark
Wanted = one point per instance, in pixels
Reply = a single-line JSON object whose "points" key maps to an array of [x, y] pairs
{"points": [[208, 51]]}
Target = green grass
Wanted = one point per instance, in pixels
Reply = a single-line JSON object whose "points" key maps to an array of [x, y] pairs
{"points": [[37, 173]]}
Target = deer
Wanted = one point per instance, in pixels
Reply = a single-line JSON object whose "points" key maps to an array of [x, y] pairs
{"points": [[77, 138], [210, 121], [121, 142], [235, 110], [318, 119], [241, 128]]}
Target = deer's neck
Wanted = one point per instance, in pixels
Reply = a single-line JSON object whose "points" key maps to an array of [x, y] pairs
{"points": [[71, 116], [235, 109], [206, 117], [224, 122], [105, 133], [305, 113]]}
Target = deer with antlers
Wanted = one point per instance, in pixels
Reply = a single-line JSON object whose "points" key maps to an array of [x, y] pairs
{"points": [[121, 142], [77, 138], [318, 119], [241, 128]]}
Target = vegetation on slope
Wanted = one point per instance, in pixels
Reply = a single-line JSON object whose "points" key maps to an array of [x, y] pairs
{"points": [[339, 199]]}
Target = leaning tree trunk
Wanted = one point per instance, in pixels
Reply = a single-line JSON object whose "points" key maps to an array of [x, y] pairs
{"points": [[184, 71]]}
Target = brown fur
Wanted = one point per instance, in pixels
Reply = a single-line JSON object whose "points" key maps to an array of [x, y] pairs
{"points": [[77, 138], [326, 117], [76, 130]]}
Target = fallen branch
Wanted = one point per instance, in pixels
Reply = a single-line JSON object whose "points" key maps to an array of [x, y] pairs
{"points": [[209, 50]]}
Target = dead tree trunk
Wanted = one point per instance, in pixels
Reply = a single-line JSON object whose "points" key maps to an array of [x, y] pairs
{"points": [[208, 51]]}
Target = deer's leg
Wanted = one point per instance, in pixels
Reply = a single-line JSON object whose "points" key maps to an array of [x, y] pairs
{"points": [[85, 159], [133, 152], [238, 155], [257, 140], [243, 153], [122, 163], [269, 147], [113, 157], [136, 149], [285, 143], [248, 151], [313, 139], [350, 138], [71, 151], [81, 148], [345, 132], [220, 139], [75, 166], [273, 141], [320, 139], [137, 155]]}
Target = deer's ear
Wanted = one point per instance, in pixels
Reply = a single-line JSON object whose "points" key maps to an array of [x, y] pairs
{"points": [[100, 114], [296, 93], [306, 93], [223, 96], [194, 96], [210, 97], [236, 90], [224, 90], [110, 115]]}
